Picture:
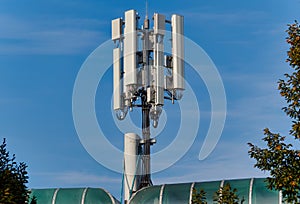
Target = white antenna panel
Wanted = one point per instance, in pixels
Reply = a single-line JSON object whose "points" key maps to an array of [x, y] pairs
{"points": [[159, 72], [117, 79], [178, 52], [116, 26], [159, 24], [130, 48]]}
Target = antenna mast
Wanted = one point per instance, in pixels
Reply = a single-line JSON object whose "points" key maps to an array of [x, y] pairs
{"points": [[140, 81]]}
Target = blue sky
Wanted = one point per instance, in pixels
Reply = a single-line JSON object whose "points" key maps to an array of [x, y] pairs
{"points": [[44, 43]]}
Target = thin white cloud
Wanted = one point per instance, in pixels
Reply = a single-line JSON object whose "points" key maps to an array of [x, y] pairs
{"points": [[232, 18], [75, 178], [67, 36], [13, 101], [210, 172], [229, 160]]}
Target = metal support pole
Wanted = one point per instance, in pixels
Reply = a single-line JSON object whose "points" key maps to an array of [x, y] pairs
{"points": [[146, 178]]}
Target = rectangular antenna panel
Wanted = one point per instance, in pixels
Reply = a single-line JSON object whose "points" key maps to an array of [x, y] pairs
{"points": [[116, 26], [130, 48], [159, 24], [178, 51], [117, 79], [159, 73]]}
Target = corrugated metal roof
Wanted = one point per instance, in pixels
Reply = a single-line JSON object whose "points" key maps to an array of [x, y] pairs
{"points": [[254, 191], [73, 195]]}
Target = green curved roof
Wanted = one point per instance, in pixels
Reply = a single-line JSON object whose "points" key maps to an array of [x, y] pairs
{"points": [[73, 195], [254, 191]]}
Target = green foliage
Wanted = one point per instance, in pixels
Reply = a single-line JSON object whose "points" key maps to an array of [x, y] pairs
{"points": [[280, 158], [290, 87], [13, 178], [33, 200], [199, 198], [282, 162], [226, 195]]}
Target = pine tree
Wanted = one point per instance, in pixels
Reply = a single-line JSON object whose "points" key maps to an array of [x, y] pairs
{"points": [[199, 197], [226, 195], [13, 178]]}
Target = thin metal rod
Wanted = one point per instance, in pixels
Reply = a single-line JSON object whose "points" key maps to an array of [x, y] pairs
{"points": [[146, 8]]}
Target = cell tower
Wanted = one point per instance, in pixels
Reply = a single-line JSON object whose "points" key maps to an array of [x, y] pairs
{"points": [[143, 77]]}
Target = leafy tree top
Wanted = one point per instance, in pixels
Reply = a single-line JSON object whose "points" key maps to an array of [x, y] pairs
{"points": [[290, 87], [279, 158]]}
